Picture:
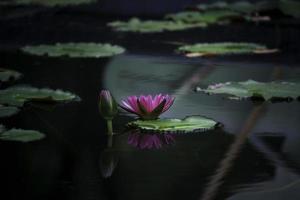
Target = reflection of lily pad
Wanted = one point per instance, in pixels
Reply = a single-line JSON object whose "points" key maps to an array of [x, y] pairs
{"points": [[224, 48], [290, 7], [17, 96], [136, 25], [20, 135], [250, 88], [75, 50], [6, 111], [188, 124], [50, 2], [6, 75], [208, 17]]}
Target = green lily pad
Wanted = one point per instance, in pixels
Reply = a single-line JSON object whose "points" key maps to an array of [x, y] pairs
{"points": [[207, 17], [17, 96], [95, 50], [223, 48], [290, 7], [50, 3], [6, 75], [213, 6], [188, 124], [240, 6], [150, 26], [20, 135], [7, 111], [250, 88]]}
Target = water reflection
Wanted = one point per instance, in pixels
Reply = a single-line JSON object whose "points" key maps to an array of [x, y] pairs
{"points": [[150, 140], [67, 164], [182, 170], [108, 162], [238, 162]]}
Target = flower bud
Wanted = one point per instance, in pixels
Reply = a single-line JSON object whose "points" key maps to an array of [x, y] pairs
{"points": [[108, 107]]}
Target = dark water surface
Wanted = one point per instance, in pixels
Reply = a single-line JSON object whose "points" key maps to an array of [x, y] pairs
{"points": [[255, 155]]}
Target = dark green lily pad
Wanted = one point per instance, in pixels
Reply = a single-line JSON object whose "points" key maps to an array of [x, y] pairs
{"points": [[223, 48], [208, 17], [290, 7], [240, 6], [150, 26], [6, 75], [20, 135], [95, 50], [50, 3], [250, 88], [213, 6], [17, 96], [7, 111], [188, 124]]}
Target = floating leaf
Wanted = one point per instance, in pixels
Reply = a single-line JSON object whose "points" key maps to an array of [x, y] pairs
{"points": [[149, 26], [250, 88], [244, 7], [290, 7], [224, 48], [6, 75], [208, 17], [7, 111], [75, 50], [188, 124], [240, 6], [17, 96], [213, 6], [20, 135], [50, 3]]}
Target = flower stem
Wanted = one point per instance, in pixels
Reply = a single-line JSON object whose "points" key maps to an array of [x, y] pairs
{"points": [[109, 127], [109, 133]]}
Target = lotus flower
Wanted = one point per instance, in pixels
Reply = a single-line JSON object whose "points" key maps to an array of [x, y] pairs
{"points": [[107, 105], [108, 108], [147, 107], [150, 141]]}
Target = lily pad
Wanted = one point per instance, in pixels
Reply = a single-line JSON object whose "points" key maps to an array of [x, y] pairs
{"points": [[50, 3], [208, 17], [6, 75], [213, 6], [17, 96], [96, 50], [250, 88], [240, 6], [188, 124], [290, 7], [223, 48], [20, 135], [150, 26], [7, 111]]}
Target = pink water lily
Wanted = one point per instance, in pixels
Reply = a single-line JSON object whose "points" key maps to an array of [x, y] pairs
{"points": [[148, 107]]}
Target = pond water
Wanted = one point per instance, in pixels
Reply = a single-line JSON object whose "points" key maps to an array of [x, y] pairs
{"points": [[254, 155]]}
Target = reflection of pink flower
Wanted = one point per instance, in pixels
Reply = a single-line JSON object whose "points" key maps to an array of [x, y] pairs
{"points": [[150, 141], [147, 107]]}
